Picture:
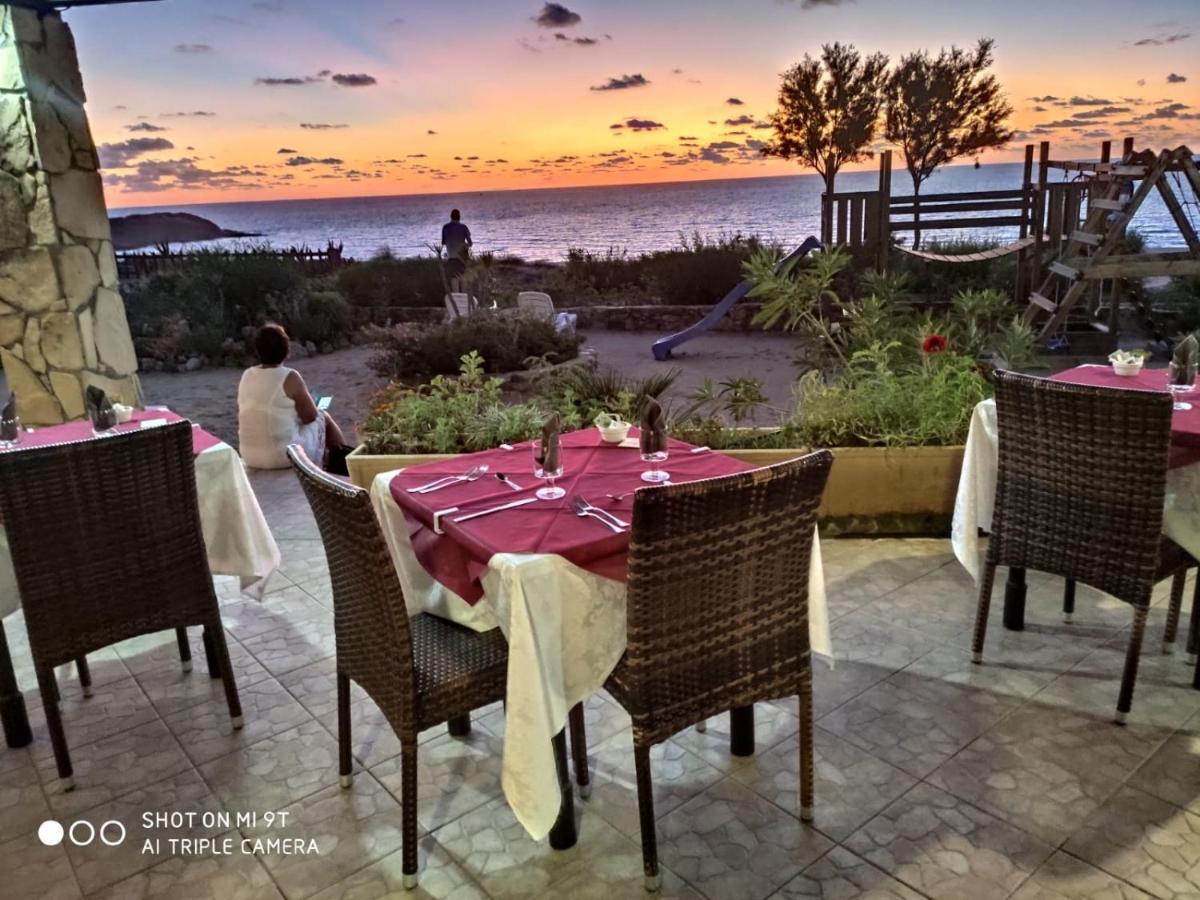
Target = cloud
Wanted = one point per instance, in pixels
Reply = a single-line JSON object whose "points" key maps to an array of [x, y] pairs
{"points": [[271, 81], [354, 79], [740, 120], [581, 41], [688, 137], [285, 150], [198, 49], [813, 4], [311, 161], [430, 131], [639, 125], [198, 113], [268, 6], [1170, 111], [1175, 78], [623, 83], [1141, 82], [161, 175], [708, 154], [723, 145], [1162, 39], [1085, 101], [144, 126], [1049, 98], [735, 101], [320, 126], [555, 15], [120, 155], [1102, 112]]}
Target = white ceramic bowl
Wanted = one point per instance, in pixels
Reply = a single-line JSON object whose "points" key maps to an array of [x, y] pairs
{"points": [[124, 413], [1127, 369], [614, 433]]}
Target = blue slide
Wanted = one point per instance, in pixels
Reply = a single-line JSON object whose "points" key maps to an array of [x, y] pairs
{"points": [[664, 346]]}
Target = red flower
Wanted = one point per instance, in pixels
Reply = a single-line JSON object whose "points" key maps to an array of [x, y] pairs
{"points": [[934, 343]]}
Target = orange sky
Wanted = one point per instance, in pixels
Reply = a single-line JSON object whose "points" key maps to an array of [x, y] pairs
{"points": [[484, 96]]}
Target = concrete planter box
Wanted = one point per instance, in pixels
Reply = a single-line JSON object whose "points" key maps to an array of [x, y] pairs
{"points": [[872, 490]]}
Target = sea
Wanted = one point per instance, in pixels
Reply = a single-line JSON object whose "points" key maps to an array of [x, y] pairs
{"points": [[544, 223]]}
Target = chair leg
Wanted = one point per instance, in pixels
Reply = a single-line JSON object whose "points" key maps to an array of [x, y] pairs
{"points": [[1194, 621], [1172, 626], [85, 675], [408, 810], [645, 789], [1069, 600], [224, 670], [185, 649], [459, 726], [54, 723], [1125, 700], [806, 742], [981, 611], [579, 751], [210, 655], [345, 761]]}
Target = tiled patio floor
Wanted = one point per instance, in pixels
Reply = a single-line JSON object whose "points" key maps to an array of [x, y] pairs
{"points": [[934, 778]]}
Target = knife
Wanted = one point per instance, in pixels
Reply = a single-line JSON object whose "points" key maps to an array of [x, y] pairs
{"points": [[494, 509]]}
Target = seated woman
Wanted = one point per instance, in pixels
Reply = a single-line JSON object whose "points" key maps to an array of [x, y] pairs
{"points": [[275, 409]]}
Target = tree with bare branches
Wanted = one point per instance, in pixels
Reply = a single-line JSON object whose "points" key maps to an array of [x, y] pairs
{"points": [[829, 109], [942, 108]]}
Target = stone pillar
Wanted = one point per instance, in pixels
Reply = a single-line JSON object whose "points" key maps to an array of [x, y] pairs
{"points": [[62, 320]]}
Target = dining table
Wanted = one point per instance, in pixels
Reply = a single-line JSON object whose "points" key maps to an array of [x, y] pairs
{"points": [[977, 484], [237, 538], [553, 580]]}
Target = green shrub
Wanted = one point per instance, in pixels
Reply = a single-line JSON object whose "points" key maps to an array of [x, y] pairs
{"points": [[699, 272], [385, 280], [579, 394], [449, 415], [938, 281], [507, 340], [317, 316]]}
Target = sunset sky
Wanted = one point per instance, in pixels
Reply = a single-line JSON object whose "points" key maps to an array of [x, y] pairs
{"points": [[213, 100]]}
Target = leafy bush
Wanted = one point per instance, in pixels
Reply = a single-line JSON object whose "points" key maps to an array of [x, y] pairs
{"points": [[385, 280], [940, 280], [580, 394], [449, 415], [507, 340], [872, 404], [319, 316]]}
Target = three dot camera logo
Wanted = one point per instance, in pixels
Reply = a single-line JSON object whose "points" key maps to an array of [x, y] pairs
{"points": [[81, 833]]}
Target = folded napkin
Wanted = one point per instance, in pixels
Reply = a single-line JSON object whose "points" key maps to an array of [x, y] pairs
{"points": [[653, 432], [100, 409], [10, 426], [551, 451], [1183, 361]]}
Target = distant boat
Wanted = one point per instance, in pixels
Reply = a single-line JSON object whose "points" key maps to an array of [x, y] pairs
{"points": [[977, 164]]}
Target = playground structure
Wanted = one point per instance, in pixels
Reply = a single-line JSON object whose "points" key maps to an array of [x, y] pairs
{"points": [[1069, 234]]}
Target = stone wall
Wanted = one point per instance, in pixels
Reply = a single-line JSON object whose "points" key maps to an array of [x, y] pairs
{"points": [[62, 320], [661, 318]]}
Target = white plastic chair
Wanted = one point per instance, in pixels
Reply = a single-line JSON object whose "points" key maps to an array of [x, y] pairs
{"points": [[536, 302], [458, 304]]}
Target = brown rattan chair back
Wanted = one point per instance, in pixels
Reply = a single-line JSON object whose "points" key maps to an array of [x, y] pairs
{"points": [[718, 592], [374, 641], [1081, 482], [105, 539]]}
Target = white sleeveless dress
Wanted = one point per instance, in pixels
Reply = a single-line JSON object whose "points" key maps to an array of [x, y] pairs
{"points": [[268, 423]]}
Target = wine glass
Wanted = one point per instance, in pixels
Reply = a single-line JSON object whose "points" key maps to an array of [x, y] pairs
{"points": [[1180, 383], [655, 475], [550, 492], [10, 433]]}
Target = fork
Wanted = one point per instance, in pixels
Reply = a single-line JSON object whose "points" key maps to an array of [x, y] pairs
{"points": [[603, 512], [584, 511], [472, 474]]}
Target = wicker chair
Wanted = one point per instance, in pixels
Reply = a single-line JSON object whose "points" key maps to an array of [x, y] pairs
{"points": [[106, 545], [1080, 490], [718, 610], [421, 671]]}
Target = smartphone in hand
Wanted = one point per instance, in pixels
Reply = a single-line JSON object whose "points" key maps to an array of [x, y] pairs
{"points": [[324, 403]]}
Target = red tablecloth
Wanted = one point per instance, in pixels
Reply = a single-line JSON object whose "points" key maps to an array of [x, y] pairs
{"points": [[82, 430], [458, 557], [1185, 423]]}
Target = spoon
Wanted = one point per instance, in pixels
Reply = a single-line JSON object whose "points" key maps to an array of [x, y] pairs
{"points": [[504, 479]]}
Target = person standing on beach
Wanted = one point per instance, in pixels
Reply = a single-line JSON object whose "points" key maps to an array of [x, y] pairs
{"points": [[456, 239]]}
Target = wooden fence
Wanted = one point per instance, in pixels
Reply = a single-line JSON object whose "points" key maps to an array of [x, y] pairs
{"points": [[133, 264]]}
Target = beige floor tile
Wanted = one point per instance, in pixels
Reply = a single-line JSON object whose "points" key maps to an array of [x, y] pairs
{"points": [[112, 709], [22, 803], [772, 725], [350, 829], [206, 732], [454, 776], [371, 735], [863, 638], [29, 869], [113, 767], [945, 848], [1063, 877], [840, 875], [293, 646], [238, 877], [247, 618], [276, 771], [173, 690], [850, 786], [1173, 772], [440, 878], [1145, 841], [315, 686]]}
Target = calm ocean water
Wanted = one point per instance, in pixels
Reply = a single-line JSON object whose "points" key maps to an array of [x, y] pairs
{"points": [[543, 224]]}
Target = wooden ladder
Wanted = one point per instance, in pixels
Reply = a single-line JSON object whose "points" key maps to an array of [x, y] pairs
{"points": [[1100, 234]]}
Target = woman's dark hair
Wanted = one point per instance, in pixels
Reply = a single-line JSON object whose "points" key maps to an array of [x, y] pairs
{"points": [[271, 344], [455, 215]]}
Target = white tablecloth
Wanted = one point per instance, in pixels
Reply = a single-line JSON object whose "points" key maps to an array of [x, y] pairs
{"points": [[977, 491], [235, 532], [566, 631]]}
